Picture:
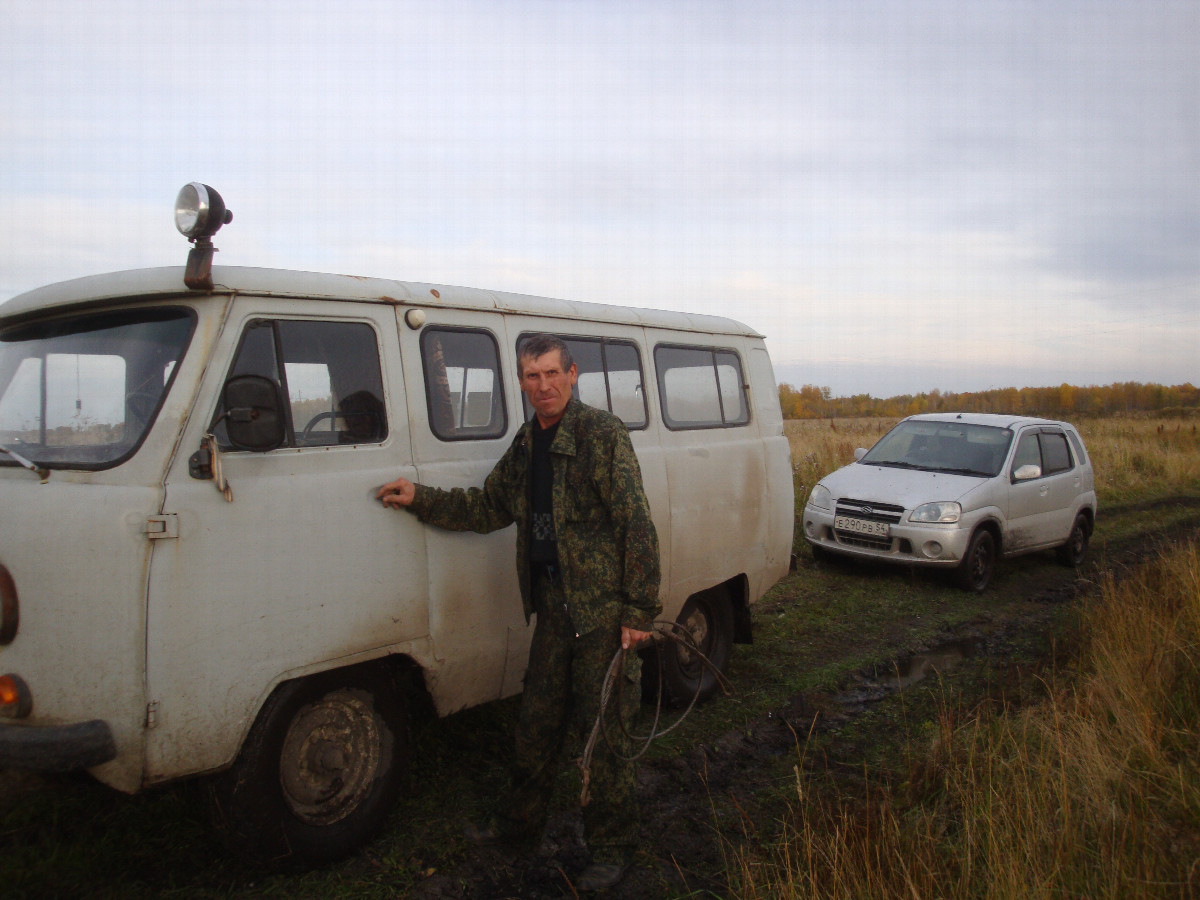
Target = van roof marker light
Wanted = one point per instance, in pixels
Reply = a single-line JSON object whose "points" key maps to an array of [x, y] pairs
{"points": [[199, 214]]}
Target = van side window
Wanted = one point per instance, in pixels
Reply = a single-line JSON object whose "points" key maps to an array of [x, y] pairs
{"points": [[610, 377], [463, 388], [329, 373], [701, 387]]}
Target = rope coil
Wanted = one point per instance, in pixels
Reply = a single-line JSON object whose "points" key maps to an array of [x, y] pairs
{"points": [[662, 631]]}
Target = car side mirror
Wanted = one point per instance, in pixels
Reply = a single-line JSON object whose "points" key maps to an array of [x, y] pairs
{"points": [[859, 453], [1027, 472], [253, 413]]}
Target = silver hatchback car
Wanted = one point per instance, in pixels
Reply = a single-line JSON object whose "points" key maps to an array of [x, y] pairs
{"points": [[959, 491]]}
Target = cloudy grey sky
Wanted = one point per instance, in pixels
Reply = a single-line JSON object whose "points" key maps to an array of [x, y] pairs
{"points": [[901, 195]]}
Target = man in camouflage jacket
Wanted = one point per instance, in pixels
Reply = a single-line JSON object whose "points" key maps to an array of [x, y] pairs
{"points": [[598, 592]]}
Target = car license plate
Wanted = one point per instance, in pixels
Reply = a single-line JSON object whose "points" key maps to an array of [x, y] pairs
{"points": [[861, 526]]}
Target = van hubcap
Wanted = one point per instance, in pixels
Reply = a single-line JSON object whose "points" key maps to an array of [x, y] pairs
{"points": [[330, 757]]}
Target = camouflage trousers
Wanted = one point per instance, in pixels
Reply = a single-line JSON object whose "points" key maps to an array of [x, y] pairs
{"points": [[560, 702]]}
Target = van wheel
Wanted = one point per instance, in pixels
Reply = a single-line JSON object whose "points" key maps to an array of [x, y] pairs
{"points": [[1075, 549], [975, 571], [318, 773], [707, 618]]}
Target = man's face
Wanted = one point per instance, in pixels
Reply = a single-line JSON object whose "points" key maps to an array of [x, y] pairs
{"points": [[547, 385]]}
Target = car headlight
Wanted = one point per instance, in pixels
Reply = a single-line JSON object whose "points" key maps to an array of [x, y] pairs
{"points": [[820, 497], [945, 511]]}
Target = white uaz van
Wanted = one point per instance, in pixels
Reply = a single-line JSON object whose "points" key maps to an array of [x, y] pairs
{"points": [[957, 491], [196, 578]]}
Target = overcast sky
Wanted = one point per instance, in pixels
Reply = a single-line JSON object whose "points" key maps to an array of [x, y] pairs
{"points": [[901, 196]]}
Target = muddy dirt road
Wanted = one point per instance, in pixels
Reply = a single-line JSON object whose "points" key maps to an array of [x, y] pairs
{"points": [[720, 790]]}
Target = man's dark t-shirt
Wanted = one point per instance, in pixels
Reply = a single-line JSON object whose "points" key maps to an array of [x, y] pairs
{"points": [[543, 546]]}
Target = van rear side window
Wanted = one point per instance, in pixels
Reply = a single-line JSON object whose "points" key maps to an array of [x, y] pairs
{"points": [[463, 388], [701, 387], [329, 373]]}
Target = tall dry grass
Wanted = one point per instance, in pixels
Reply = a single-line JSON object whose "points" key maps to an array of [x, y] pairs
{"points": [[1133, 458], [1137, 458], [1095, 792]]}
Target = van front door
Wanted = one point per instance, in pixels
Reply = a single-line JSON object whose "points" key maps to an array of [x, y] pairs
{"points": [[301, 569]]}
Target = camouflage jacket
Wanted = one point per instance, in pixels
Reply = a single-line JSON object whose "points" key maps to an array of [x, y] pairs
{"points": [[607, 545]]}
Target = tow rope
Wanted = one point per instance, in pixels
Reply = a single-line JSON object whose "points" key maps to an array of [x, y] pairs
{"points": [[662, 632]]}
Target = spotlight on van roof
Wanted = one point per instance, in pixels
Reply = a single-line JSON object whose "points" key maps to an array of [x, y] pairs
{"points": [[199, 214]]}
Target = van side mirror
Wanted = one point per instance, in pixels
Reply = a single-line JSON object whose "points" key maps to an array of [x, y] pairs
{"points": [[1027, 472], [253, 413]]}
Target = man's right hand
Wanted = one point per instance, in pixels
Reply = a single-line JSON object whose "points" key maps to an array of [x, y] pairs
{"points": [[398, 493]]}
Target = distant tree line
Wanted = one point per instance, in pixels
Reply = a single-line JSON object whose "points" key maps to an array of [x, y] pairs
{"points": [[1062, 402]]}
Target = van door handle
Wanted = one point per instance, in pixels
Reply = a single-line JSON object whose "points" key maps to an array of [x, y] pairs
{"points": [[158, 528]]}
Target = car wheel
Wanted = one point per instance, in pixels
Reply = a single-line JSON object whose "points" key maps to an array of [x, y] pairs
{"points": [[1075, 549], [975, 571], [707, 618], [318, 773]]}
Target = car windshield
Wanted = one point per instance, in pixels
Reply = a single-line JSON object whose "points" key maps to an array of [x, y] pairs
{"points": [[943, 447], [81, 392]]}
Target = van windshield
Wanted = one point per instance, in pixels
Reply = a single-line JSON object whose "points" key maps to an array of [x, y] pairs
{"points": [[81, 392], [942, 447]]}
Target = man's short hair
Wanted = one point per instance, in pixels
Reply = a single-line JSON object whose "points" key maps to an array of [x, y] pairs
{"points": [[538, 345]]}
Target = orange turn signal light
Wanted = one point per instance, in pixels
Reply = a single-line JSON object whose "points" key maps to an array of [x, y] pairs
{"points": [[16, 702]]}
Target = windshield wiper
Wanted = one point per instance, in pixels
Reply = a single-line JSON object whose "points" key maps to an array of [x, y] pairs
{"points": [[37, 470], [892, 464], [975, 472]]}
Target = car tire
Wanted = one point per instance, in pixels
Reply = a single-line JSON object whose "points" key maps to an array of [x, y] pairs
{"points": [[708, 618], [318, 773], [975, 571], [1075, 549]]}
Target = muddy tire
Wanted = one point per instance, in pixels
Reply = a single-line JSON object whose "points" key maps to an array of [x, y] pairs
{"points": [[708, 618], [975, 571], [1075, 549], [318, 773]]}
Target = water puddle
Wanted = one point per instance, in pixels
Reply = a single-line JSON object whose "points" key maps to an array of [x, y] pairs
{"points": [[906, 672], [936, 659]]}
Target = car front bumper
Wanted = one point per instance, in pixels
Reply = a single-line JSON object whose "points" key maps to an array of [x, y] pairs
{"points": [[937, 545]]}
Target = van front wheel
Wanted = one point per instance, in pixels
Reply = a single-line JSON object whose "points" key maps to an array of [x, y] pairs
{"points": [[318, 773], [707, 620]]}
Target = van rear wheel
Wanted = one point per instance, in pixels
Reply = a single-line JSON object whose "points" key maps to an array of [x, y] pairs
{"points": [[707, 619], [318, 773]]}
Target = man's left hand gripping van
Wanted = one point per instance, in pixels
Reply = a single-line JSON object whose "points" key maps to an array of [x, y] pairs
{"points": [[196, 579]]}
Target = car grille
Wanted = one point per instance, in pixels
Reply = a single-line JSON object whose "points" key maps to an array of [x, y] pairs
{"points": [[874, 512]]}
